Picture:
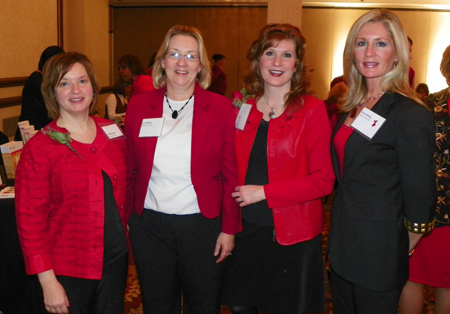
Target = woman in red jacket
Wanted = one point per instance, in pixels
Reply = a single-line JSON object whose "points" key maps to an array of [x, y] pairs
{"points": [[182, 163], [284, 168], [71, 197]]}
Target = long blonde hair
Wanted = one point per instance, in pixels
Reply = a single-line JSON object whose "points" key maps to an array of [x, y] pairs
{"points": [[396, 80]]}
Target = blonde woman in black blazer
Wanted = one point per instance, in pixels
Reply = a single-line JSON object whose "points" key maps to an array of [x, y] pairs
{"points": [[386, 194]]}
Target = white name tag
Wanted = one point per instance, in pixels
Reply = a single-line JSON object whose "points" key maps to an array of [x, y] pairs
{"points": [[242, 117], [112, 131], [368, 123], [151, 127]]}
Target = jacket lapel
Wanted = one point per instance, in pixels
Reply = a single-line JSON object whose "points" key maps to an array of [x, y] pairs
{"points": [[356, 141], [200, 123]]}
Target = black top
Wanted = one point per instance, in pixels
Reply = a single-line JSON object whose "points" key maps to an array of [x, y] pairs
{"points": [[257, 173], [33, 106], [115, 245]]}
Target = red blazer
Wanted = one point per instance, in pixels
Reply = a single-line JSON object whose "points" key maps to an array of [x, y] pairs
{"points": [[213, 160], [299, 166]]}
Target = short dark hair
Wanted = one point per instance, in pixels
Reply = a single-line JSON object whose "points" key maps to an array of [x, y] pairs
{"points": [[133, 63], [217, 57], [47, 54]]}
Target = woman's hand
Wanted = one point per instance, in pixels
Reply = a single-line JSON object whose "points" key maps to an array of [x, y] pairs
{"points": [[224, 246], [249, 194], [55, 298]]}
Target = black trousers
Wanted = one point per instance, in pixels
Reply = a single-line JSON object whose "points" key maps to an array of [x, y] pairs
{"points": [[174, 254], [86, 296], [349, 298]]}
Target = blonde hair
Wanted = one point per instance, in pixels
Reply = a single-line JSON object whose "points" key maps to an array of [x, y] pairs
{"points": [[445, 64], [55, 69], [159, 77], [396, 80]]}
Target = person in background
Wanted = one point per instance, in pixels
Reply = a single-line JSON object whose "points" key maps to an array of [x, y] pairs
{"points": [[429, 265], [411, 72], [284, 169], [72, 228], [383, 159], [337, 92], [117, 102], [132, 71], [218, 76], [422, 91], [33, 106], [182, 163], [336, 80], [150, 64], [3, 140]]}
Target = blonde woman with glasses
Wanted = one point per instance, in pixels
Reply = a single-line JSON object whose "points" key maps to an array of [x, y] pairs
{"points": [[182, 166]]}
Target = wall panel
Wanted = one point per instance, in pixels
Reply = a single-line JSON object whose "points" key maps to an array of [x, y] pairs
{"points": [[318, 28], [219, 28], [252, 20], [132, 33], [163, 19]]}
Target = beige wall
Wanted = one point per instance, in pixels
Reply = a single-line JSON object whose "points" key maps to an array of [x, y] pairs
{"points": [[24, 35]]}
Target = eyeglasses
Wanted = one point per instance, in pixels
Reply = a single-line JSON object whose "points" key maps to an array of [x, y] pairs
{"points": [[177, 56]]}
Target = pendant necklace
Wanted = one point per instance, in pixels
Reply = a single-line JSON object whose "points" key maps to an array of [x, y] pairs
{"points": [[272, 109], [353, 113], [176, 112]]}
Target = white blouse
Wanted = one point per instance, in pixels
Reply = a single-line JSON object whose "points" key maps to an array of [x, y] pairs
{"points": [[170, 188]]}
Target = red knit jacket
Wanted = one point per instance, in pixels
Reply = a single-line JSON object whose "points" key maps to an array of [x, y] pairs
{"points": [[60, 202]]}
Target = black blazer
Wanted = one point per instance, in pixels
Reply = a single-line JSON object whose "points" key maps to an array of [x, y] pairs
{"points": [[386, 180]]}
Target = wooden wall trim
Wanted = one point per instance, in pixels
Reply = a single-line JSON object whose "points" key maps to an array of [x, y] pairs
{"points": [[59, 23], [10, 101], [190, 3], [12, 81]]}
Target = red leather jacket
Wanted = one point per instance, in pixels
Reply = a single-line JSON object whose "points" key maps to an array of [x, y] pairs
{"points": [[299, 166], [60, 202]]}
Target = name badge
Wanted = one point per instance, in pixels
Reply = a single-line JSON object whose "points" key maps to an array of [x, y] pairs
{"points": [[368, 123], [151, 127], [112, 131], [242, 117]]}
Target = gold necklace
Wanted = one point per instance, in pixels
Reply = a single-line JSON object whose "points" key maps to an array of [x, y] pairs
{"points": [[353, 112]]}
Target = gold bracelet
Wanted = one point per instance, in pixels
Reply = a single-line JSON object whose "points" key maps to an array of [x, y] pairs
{"points": [[419, 227]]}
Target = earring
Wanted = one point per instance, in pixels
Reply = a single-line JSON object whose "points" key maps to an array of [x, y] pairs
{"points": [[395, 64], [199, 75], [163, 71]]}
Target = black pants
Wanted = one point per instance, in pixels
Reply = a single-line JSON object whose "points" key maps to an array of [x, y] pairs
{"points": [[349, 298], [174, 254], [86, 296]]}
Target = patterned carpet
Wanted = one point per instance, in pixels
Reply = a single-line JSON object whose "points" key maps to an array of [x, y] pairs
{"points": [[133, 303]]}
